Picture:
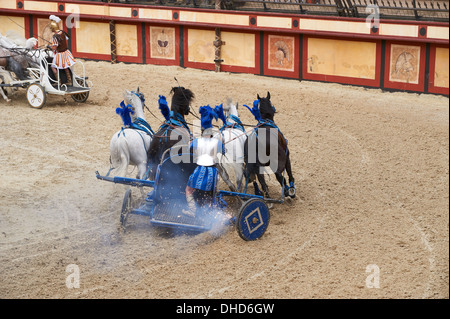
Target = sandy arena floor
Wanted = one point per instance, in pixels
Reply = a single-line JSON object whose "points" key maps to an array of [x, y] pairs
{"points": [[372, 180]]}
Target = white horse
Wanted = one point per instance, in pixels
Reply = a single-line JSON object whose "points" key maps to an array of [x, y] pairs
{"points": [[233, 136], [129, 145]]}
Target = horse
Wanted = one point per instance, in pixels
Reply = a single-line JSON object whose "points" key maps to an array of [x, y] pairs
{"points": [[129, 145], [267, 146], [14, 58], [174, 131], [233, 136]]}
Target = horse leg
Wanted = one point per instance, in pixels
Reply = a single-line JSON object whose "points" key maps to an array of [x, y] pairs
{"points": [[264, 186], [3, 94], [291, 178], [2, 80], [239, 172], [282, 181], [223, 173]]}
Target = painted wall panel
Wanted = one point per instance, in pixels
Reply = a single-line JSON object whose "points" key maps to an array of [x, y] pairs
{"points": [[441, 69], [126, 39], [155, 14], [438, 32], [354, 59], [404, 63], [281, 55], [41, 6], [93, 38], [239, 49], [87, 9], [208, 17], [162, 42], [200, 44], [274, 22], [12, 24], [8, 4], [405, 66], [399, 30], [334, 26]]}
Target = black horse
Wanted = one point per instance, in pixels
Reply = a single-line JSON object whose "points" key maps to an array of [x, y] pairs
{"points": [[174, 131], [267, 146]]}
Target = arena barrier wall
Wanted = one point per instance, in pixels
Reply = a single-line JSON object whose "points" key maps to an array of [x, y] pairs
{"points": [[394, 55]]}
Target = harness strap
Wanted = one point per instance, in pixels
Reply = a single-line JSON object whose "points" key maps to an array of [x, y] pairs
{"points": [[141, 124], [269, 123], [237, 124], [173, 123]]}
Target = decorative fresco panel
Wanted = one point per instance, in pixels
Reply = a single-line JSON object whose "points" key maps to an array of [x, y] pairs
{"points": [[404, 63], [162, 43], [281, 53]]}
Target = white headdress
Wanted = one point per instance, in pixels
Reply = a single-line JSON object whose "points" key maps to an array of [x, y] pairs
{"points": [[55, 18]]}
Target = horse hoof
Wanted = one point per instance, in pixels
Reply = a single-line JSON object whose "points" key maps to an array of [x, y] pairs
{"points": [[291, 192]]}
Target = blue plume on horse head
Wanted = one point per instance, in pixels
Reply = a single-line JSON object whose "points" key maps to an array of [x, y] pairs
{"points": [[207, 114], [164, 107], [220, 114], [124, 112], [255, 110]]}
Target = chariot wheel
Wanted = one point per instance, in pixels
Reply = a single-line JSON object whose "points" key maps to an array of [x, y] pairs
{"points": [[36, 96], [126, 208], [80, 97], [253, 219]]}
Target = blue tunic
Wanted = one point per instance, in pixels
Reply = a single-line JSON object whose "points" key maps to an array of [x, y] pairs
{"points": [[204, 177]]}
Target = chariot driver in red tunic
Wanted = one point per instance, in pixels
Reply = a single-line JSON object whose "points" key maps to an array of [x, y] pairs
{"points": [[205, 149], [63, 57]]}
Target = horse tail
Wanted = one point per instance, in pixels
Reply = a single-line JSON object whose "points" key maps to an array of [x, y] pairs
{"points": [[120, 155]]}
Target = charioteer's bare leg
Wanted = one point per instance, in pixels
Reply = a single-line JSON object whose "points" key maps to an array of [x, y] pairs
{"points": [[69, 77], [191, 202], [55, 72]]}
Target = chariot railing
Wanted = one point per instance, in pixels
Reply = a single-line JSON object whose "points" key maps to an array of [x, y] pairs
{"points": [[420, 10]]}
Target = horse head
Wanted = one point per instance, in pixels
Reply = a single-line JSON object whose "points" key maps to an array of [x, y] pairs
{"points": [[181, 100], [266, 107], [230, 108], [137, 101]]}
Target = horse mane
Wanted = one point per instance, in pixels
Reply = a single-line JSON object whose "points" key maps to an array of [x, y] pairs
{"points": [[131, 99], [181, 99]]}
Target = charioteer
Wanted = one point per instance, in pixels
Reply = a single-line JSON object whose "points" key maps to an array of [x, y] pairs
{"points": [[205, 149], [63, 59]]}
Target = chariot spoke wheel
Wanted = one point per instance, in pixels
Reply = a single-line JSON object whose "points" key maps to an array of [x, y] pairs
{"points": [[253, 219], [36, 96], [126, 208], [80, 97]]}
